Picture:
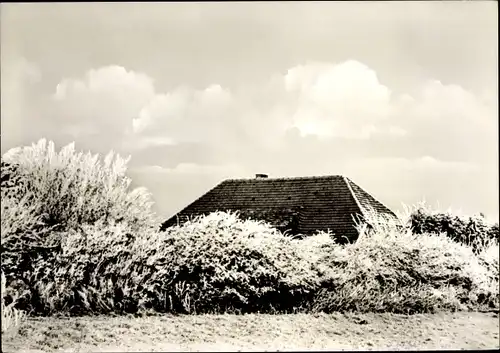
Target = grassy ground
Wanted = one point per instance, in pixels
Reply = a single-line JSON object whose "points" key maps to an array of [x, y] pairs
{"points": [[256, 332]]}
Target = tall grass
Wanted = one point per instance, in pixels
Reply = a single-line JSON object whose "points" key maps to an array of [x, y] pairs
{"points": [[11, 317]]}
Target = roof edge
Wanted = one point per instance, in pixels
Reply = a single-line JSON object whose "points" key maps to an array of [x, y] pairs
{"points": [[353, 194], [349, 181], [285, 178]]}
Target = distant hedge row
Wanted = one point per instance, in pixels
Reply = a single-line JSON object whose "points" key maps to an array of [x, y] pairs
{"points": [[473, 231]]}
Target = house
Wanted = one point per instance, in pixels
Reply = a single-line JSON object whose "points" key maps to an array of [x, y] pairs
{"points": [[300, 205]]}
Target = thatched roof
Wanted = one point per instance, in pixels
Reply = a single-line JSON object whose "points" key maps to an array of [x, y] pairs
{"points": [[300, 205]]}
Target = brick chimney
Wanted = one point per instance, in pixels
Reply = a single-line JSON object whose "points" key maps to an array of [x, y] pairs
{"points": [[260, 176]]}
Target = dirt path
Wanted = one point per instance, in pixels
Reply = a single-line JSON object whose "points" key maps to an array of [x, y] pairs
{"points": [[257, 332]]}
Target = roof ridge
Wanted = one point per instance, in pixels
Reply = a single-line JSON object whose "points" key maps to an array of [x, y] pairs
{"points": [[370, 195], [348, 183], [287, 178]]}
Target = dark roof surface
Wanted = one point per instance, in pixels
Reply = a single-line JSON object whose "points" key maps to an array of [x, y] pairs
{"points": [[319, 203]]}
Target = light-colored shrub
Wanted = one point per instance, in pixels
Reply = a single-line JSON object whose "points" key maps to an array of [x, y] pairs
{"points": [[215, 263], [390, 268], [71, 188], [474, 231], [46, 195], [246, 265], [76, 239]]}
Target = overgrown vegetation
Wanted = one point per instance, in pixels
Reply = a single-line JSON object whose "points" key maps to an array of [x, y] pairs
{"points": [[68, 189], [11, 317], [76, 239], [474, 231], [393, 269]]}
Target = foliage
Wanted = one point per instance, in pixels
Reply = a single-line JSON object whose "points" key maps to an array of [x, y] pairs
{"points": [[473, 231], [392, 269], [219, 263], [76, 240], [69, 189], [231, 264], [215, 263], [12, 318], [46, 194]]}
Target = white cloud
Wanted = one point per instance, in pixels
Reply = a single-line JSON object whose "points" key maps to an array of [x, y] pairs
{"points": [[106, 99], [125, 103], [337, 100], [329, 101], [18, 96], [441, 104], [17, 77], [133, 143], [111, 81], [185, 114], [170, 106]]}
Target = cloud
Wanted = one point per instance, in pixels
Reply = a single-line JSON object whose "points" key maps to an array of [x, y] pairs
{"points": [[126, 103], [185, 114], [170, 106], [327, 100], [342, 108], [346, 99], [449, 122], [105, 99], [315, 118], [20, 79], [134, 144], [447, 103], [111, 81]]}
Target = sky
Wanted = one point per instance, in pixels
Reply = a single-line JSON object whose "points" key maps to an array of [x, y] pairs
{"points": [[401, 97]]}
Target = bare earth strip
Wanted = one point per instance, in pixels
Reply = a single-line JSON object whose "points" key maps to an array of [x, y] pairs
{"points": [[256, 333]]}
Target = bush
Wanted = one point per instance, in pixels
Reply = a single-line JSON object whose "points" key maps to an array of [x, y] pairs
{"points": [[69, 189], [473, 231], [231, 264], [92, 272], [489, 259], [216, 263], [24, 238], [219, 263], [392, 270], [47, 195], [76, 240]]}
